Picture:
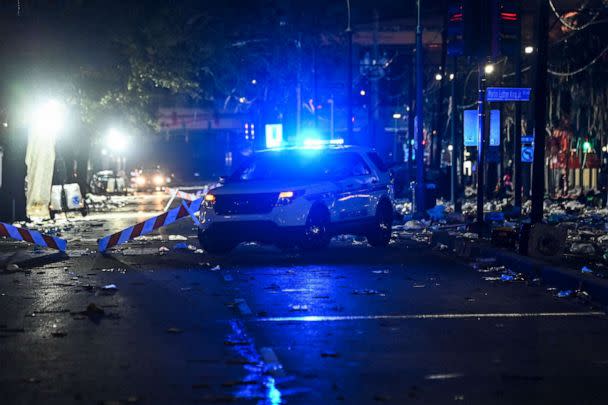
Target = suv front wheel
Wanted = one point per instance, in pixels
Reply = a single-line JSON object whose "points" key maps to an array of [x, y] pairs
{"points": [[380, 235], [316, 230], [214, 244]]}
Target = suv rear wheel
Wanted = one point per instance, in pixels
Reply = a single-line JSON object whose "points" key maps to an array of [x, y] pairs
{"points": [[380, 235], [316, 230]]}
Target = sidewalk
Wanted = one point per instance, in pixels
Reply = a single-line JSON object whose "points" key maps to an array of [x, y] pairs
{"points": [[551, 274]]}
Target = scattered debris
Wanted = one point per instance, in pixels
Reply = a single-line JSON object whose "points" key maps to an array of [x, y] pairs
{"points": [[12, 267], [585, 249], [413, 225]]}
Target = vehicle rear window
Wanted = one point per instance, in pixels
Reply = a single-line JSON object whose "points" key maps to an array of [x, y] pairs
{"points": [[377, 161]]}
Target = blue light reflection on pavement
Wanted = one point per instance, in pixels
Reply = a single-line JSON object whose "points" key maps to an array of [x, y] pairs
{"points": [[257, 384]]}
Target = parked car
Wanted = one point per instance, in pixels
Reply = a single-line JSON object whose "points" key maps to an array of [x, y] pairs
{"points": [[300, 196], [107, 182]]}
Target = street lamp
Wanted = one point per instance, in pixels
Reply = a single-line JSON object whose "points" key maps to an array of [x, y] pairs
{"points": [[528, 49], [116, 140], [48, 118], [489, 69], [438, 77]]}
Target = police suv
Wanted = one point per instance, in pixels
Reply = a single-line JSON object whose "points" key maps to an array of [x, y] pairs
{"points": [[300, 196]]}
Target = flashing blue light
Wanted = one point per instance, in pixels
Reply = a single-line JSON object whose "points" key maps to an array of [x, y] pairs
{"points": [[274, 135], [322, 142]]}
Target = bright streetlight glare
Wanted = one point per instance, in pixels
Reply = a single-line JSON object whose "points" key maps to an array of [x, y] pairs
{"points": [[396, 116], [529, 49], [48, 117], [489, 69], [362, 92], [451, 76], [438, 77], [450, 148], [116, 140]]}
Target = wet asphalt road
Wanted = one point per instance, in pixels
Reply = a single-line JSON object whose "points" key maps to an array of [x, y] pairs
{"points": [[350, 325]]}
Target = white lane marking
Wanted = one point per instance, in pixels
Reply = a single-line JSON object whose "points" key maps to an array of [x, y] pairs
{"points": [[271, 362], [447, 376], [321, 318], [242, 306]]}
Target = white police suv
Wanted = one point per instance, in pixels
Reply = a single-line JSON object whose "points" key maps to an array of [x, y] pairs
{"points": [[300, 196]]}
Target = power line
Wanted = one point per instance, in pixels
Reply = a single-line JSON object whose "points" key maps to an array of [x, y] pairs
{"points": [[577, 71], [566, 24]]}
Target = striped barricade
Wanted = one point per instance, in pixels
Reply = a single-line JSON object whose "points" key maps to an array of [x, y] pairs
{"points": [[143, 228], [176, 192], [35, 237]]}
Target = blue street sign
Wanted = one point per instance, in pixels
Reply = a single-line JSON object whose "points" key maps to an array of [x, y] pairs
{"points": [[471, 128], [527, 139], [527, 154], [508, 94]]}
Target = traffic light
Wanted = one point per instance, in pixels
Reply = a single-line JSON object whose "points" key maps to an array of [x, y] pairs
{"points": [[509, 26], [483, 28], [455, 29]]}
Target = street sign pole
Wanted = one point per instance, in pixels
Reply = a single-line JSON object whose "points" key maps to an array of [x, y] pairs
{"points": [[540, 113], [517, 143], [481, 142]]}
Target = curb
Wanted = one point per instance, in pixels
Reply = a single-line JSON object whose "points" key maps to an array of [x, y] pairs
{"points": [[551, 275]]}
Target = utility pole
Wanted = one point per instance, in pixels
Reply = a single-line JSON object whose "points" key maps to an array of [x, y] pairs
{"points": [[299, 84], [349, 79], [437, 139], [517, 140], [481, 144], [453, 140], [540, 112], [375, 85], [411, 117], [420, 186]]}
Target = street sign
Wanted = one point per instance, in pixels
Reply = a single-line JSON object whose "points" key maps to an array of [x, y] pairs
{"points": [[527, 139], [274, 135], [527, 154], [508, 94], [471, 128]]}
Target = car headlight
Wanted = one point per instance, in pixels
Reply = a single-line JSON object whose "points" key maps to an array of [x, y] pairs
{"points": [[286, 197], [158, 180], [209, 200], [140, 181]]}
